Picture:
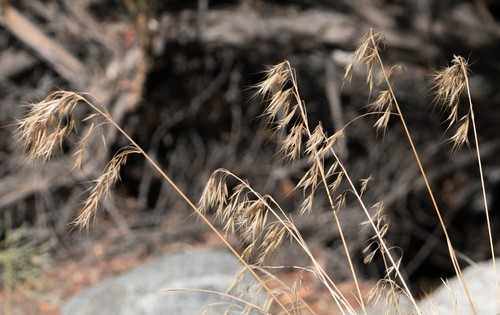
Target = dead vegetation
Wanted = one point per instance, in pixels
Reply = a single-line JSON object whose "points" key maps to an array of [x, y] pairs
{"points": [[178, 85]]}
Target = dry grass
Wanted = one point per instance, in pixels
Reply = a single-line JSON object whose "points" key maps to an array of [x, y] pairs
{"points": [[259, 221]]}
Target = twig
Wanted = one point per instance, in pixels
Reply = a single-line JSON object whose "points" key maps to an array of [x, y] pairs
{"points": [[59, 58]]}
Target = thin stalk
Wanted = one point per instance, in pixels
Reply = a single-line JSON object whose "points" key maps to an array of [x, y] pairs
{"points": [[328, 193], [190, 203], [483, 188], [284, 285], [377, 232], [454, 259], [229, 296], [322, 275]]}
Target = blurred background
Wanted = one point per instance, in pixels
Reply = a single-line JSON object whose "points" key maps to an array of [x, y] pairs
{"points": [[178, 77]]}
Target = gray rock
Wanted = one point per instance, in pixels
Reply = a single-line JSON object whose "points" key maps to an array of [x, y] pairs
{"points": [[134, 292], [451, 299]]}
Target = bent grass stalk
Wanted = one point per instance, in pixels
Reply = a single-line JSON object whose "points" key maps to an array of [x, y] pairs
{"points": [[453, 256], [245, 211], [336, 294], [368, 54], [43, 130], [280, 82], [483, 188], [303, 115], [450, 83], [280, 102]]}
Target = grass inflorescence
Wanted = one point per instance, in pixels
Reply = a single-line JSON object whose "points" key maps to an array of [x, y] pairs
{"points": [[261, 224]]}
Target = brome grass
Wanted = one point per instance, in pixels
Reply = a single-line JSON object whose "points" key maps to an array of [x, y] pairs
{"points": [[260, 222]]}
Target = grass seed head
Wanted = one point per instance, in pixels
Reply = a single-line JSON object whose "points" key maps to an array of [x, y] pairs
{"points": [[316, 139], [292, 145], [46, 125], [383, 121], [461, 135], [271, 242], [102, 187], [252, 220], [276, 78], [449, 84], [364, 184], [382, 225], [82, 146], [365, 56], [383, 101], [306, 205], [279, 104]]}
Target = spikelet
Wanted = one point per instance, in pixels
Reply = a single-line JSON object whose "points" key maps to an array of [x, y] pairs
{"points": [[450, 84], [46, 125], [102, 187]]}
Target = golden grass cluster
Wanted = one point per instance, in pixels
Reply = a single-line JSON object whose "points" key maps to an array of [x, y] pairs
{"points": [[451, 85], [259, 221]]}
